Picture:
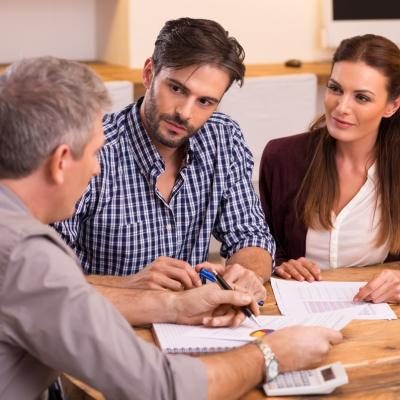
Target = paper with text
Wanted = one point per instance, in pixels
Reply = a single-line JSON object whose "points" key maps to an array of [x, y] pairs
{"points": [[294, 297]]}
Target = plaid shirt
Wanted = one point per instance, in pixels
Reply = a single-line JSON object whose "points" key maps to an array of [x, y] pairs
{"points": [[122, 223]]}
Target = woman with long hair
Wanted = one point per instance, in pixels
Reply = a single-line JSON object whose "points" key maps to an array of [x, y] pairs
{"points": [[331, 195]]}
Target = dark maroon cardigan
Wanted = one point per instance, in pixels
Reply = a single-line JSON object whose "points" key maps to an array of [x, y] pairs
{"points": [[283, 166]]}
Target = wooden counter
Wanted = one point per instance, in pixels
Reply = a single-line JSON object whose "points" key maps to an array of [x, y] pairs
{"points": [[321, 69], [113, 72], [110, 72]]}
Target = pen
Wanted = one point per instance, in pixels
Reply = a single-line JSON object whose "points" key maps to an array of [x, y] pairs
{"points": [[206, 275], [215, 277]]}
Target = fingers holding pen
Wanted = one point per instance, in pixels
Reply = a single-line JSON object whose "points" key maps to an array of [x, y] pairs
{"points": [[229, 304]]}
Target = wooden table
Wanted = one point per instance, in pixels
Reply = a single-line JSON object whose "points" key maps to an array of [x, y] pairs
{"points": [[370, 350]]}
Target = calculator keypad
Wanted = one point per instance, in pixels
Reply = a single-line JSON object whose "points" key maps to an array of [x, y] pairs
{"points": [[292, 379]]}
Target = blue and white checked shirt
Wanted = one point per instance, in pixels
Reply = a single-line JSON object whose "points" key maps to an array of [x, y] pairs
{"points": [[122, 223]]}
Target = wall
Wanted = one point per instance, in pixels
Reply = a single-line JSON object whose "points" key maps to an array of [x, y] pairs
{"points": [[113, 31], [123, 31], [63, 28], [269, 30]]}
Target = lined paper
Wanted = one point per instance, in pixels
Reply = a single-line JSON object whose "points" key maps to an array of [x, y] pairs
{"points": [[172, 338]]}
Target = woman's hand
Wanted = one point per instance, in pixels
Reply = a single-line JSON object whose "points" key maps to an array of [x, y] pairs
{"points": [[383, 287], [301, 269]]}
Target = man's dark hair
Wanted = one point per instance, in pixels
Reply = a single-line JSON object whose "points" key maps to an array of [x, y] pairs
{"points": [[185, 41]]}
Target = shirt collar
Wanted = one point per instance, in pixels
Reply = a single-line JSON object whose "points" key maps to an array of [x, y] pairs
{"points": [[10, 201], [372, 173]]}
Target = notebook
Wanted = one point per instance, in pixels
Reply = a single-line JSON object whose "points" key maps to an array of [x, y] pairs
{"points": [[174, 339]]}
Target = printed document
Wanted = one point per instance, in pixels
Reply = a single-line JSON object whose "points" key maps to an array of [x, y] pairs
{"points": [[299, 298]]}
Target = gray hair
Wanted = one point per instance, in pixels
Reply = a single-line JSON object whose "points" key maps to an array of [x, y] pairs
{"points": [[45, 102]]}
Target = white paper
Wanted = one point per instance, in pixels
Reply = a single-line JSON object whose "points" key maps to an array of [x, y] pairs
{"points": [[186, 338], [173, 338], [294, 297], [249, 331]]}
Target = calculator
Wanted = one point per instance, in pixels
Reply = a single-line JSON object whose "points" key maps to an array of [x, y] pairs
{"points": [[313, 381]]}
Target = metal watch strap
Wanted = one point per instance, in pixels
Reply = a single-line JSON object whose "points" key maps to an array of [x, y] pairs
{"points": [[270, 361]]}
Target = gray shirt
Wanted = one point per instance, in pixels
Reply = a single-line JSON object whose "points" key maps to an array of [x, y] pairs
{"points": [[52, 320]]}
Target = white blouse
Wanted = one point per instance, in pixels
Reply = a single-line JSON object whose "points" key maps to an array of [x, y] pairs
{"points": [[351, 241]]}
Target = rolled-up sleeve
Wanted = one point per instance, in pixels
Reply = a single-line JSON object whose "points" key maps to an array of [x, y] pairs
{"points": [[241, 221]]}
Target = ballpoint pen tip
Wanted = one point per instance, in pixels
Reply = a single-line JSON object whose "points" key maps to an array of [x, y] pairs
{"points": [[256, 320]]}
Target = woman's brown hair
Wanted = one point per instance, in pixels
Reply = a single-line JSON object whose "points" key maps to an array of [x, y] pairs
{"points": [[320, 188]]}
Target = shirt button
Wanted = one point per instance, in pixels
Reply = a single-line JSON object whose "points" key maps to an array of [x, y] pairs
{"points": [[169, 227]]}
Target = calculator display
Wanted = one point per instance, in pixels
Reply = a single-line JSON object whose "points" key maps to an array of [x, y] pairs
{"points": [[327, 374]]}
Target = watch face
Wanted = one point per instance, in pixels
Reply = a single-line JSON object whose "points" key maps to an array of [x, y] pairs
{"points": [[273, 369]]}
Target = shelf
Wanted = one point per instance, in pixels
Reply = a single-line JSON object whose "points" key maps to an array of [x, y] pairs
{"points": [[111, 72]]}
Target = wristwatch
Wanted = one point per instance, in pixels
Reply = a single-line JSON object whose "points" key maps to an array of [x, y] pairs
{"points": [[271, 362]]}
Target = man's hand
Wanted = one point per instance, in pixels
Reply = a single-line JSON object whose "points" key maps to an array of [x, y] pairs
{"points": [[384, 287], [212, 306], [165, 273], [300, 269], [301, 347], [239, 277]]}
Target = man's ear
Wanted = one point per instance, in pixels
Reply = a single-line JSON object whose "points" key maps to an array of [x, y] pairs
{"points": [[392, 107], [58, 163], [148, 73]]}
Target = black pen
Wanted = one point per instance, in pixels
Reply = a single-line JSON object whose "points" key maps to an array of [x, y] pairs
{"points": [[224, 285]]}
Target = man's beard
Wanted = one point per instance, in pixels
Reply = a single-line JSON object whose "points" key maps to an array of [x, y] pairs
{"points": [[153, 119]]}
